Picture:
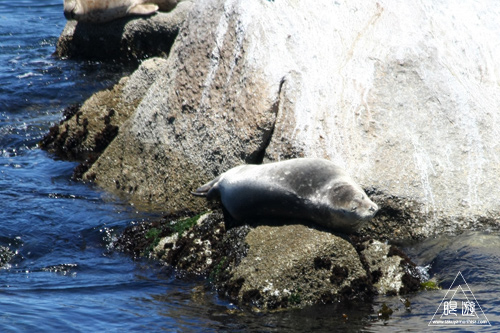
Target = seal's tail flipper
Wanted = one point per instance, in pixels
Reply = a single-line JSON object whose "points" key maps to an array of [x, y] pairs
{"points": [[203, 191], [143, 9]]}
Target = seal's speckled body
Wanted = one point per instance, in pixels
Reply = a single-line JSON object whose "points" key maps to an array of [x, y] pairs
{"points": [[305, 189]]}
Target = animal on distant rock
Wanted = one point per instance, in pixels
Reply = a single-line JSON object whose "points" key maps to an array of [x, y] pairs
{"points": [[102, 11], [299, 190]]}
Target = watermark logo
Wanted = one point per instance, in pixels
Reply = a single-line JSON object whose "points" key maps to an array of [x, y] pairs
{"points": [[459, 307]]}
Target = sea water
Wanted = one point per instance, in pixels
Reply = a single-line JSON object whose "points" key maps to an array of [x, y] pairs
{"points": [[65, 275]]}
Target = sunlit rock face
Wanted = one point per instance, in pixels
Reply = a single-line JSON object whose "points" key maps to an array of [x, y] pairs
{"points": [[404, 95]]}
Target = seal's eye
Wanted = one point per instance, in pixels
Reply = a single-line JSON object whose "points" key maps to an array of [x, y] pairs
{"points": [[353, 209]]}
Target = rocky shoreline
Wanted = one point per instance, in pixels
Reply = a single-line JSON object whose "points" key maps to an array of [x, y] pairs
{"points": [[242, 263], [255, 268], [221, 83]]}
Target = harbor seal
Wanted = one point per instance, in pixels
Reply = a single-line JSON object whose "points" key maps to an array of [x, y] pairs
{"points": [[309, 190], [101, 11]]}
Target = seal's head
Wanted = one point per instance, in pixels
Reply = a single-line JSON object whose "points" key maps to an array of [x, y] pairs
{"points": [[69, 9], [352, 205]]}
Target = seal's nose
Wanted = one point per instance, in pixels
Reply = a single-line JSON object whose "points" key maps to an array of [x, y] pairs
{"points": [[373, 209]]}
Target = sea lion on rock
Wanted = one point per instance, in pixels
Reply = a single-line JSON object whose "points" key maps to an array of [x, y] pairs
{"points": [[304, 190], [101, 11]]}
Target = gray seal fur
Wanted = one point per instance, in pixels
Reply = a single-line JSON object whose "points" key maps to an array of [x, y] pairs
{"points": [[303, 190]]}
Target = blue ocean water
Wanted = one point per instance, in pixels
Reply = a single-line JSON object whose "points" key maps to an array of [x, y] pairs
{"points": [[65, 275]]}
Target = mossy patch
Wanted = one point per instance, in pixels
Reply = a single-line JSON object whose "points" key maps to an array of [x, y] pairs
{"points": [[218, 269], [183, 225], [385, 312], [295, 298], [138, 238], [429, 285], [153, 235]]}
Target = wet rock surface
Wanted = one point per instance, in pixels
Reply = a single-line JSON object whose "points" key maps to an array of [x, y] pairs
{"points": [[270, 267], [87, 130], [392, 272], [6, 255]]}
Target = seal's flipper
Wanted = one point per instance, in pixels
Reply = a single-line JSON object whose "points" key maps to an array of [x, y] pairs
{"points": [[205, 190], [143, 9], [200, 192]]}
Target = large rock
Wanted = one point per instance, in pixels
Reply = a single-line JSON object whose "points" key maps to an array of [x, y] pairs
{"points": [[402, 94], [273, 267], [295, 265], [201, 118]]}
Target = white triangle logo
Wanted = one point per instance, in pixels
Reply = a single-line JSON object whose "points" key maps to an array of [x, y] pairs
{"points": [[459, 307]]}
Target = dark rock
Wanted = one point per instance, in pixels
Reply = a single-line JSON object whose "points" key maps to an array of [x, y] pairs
{"points": [[6, 255], [392, 272]]}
